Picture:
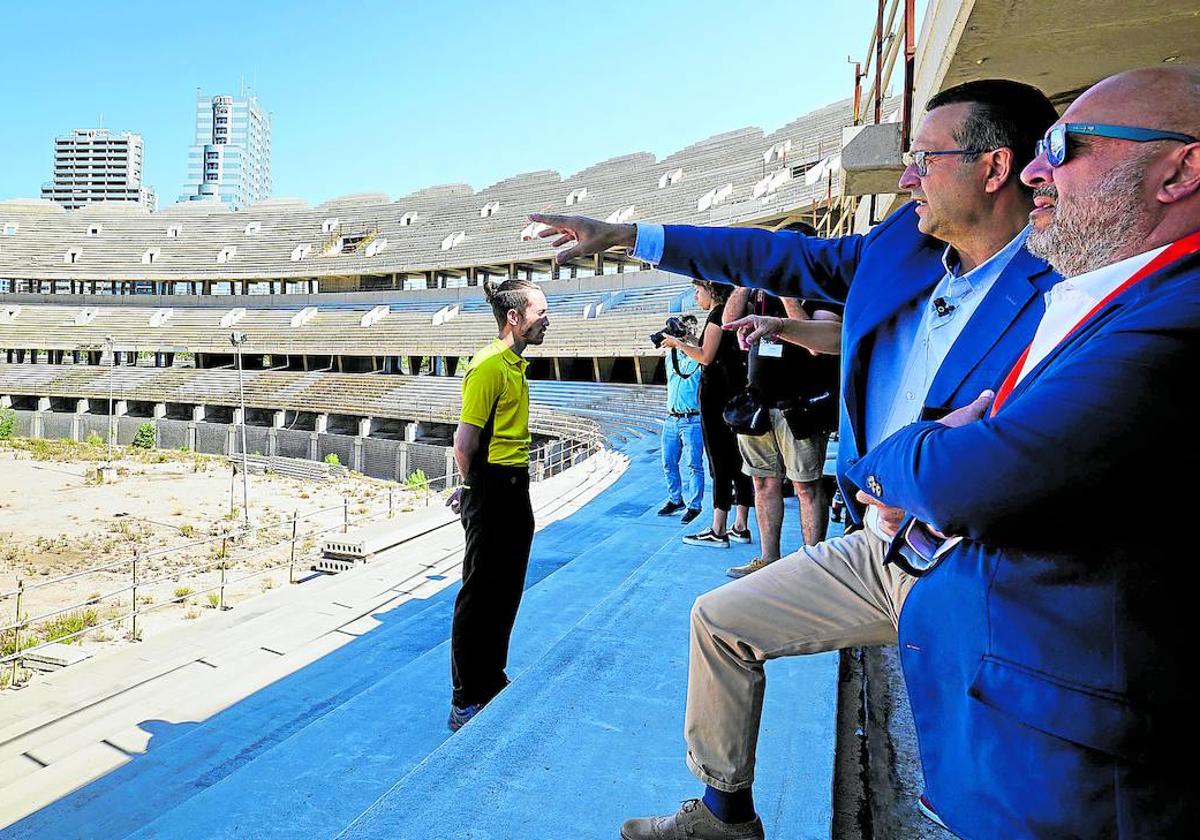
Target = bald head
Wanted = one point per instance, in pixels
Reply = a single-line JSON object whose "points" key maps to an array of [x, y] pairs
{"points": [[1165, 97], [1113, 196]]}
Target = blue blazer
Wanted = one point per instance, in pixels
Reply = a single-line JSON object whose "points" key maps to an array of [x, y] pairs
{"points": [[875, 276], [1045, 656]]}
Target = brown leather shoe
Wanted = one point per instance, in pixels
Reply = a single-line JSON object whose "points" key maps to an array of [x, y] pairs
{"points": [[693, 822]]}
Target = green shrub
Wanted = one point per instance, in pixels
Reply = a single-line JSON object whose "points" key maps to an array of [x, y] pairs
{"points": [[8, 422], [333, 459], [145, 437], [417, 481], [213, 600], [60, 626], [94, 439], [181, 592]]}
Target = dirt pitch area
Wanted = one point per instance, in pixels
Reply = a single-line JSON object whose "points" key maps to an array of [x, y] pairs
{"points": [[55, 520]]}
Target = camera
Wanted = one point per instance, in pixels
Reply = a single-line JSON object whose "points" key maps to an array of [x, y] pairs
{"points": [[674, 328]]}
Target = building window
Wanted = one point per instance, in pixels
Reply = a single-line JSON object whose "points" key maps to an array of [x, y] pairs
{"points": [[407, 219]]}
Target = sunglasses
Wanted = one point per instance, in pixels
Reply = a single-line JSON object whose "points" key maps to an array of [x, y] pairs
{"points": [[1056, 149], [916, 551], [920, 158]]}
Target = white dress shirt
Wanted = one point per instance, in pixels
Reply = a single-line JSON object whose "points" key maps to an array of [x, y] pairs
{"points": [[1070, 299]]}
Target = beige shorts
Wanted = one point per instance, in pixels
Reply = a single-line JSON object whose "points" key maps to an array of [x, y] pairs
{"points": [[777, 454]]}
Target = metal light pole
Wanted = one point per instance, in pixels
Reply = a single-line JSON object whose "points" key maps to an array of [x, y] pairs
{"points": [[112, 364], [237, 339]]}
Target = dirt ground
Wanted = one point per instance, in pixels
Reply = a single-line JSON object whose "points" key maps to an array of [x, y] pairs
{"points": [[171, 508]]}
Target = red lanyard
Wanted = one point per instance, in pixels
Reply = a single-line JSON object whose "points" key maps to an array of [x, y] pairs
{"points": [[1187, 246]]}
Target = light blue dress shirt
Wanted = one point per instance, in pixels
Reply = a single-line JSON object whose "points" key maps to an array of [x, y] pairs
{"points": [[910, 348]]}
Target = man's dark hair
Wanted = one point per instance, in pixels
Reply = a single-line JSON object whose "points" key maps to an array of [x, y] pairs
{"points": [[1004, 114], [800, 227], [511, 294]]}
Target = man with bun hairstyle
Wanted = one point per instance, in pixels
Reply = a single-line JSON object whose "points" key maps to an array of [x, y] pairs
{"points": [[491, 447]]}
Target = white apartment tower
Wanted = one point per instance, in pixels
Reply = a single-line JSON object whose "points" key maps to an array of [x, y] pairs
{"points": [[230, 160], [93, 165]]}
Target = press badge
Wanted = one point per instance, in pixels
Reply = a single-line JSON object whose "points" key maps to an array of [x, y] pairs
{"points": [[770, 349]]}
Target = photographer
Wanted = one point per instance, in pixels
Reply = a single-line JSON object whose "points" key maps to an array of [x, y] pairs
{"points": [[784, 376], [724, 375], [681, 431]]}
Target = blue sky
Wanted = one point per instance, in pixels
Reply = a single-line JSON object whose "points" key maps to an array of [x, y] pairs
{"points": [[392, 96]]}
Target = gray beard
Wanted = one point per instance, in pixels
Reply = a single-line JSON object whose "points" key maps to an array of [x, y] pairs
{"points": [[1098, 229]]}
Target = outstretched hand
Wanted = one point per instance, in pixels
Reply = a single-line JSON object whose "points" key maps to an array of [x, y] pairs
{"points": [[971, 412], [751, 328], [589, 235]]}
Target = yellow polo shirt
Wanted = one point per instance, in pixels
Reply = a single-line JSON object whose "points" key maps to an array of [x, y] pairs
{"points": [[496, 377]]}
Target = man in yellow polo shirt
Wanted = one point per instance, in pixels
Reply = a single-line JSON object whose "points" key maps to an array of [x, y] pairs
{"points": [[491, 446]]}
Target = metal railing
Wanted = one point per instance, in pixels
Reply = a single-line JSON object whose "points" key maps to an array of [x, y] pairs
{"points": [[545, 461]]}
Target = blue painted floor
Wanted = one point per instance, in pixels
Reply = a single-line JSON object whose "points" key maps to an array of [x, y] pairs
{"points": [[589, 733]]}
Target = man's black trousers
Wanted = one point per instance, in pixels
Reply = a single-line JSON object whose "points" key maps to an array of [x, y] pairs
{"points": [[498, 520]]}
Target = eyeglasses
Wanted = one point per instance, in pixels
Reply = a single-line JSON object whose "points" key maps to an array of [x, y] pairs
{"points": [[920, 160], [1056, 149], [916, 551]]}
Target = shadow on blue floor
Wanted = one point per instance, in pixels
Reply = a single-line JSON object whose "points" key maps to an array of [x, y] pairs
{"points": [[589, 731]]}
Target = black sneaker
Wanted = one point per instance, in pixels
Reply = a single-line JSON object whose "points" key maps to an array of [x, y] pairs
{"points": [[708, 538], [670, 508], [689, 515], [742, 536]]}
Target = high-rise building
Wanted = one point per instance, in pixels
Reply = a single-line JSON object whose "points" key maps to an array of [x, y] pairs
{"points": [[93, 165], [230, 160]]}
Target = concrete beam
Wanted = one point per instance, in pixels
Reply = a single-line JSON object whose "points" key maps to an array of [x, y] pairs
{"points": [[278, 419], [43, 404], [5, 401], [871, 158], [120, 408], [412, 431], [197, 414], [364, 427], [322, 425], [160, 411], [81, 406]]}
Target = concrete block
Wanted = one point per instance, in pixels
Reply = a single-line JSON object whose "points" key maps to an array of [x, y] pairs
{"points": [[871, 158], [57, 656]]}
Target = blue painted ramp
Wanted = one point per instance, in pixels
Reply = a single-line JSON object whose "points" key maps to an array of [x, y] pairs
{"points": [[592, 733], [588, 733]]}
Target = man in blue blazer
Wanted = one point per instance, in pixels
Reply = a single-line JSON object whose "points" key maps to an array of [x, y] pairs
{"points": [[940, 299], [1046, 653]]}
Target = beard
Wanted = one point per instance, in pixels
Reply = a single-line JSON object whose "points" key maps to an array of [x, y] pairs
{"points": [[534, 335], [1095, 230]]}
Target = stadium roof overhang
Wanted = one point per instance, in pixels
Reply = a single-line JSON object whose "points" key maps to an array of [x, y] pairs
{"points": [[1062, 47]]}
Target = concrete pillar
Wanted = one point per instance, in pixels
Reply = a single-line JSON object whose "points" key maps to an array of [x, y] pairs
{"points": [[322, 423], [191, 434], [313, 449], [412, 431], [278, 419], [237, 417], [357, 458], [5, 401], [120, 408], [81, 406], [599, 267], [197, 414], [364, 427], [637, 369], [595, 369], [401, 462], [557, 369], [272, 443], [43, 404], [160, 411], [131, 357], [451, 365]]}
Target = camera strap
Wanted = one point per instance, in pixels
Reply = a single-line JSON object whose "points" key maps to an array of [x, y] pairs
{"points": [[675, 364]]}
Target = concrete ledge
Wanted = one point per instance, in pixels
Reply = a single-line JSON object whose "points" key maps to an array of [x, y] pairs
{"points": [[871, 159]]}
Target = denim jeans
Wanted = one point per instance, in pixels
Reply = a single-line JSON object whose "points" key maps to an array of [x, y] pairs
{"points": [[682, 437]]}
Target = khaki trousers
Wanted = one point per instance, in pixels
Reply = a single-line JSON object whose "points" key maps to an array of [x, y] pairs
{"points": [[833, 595]]}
